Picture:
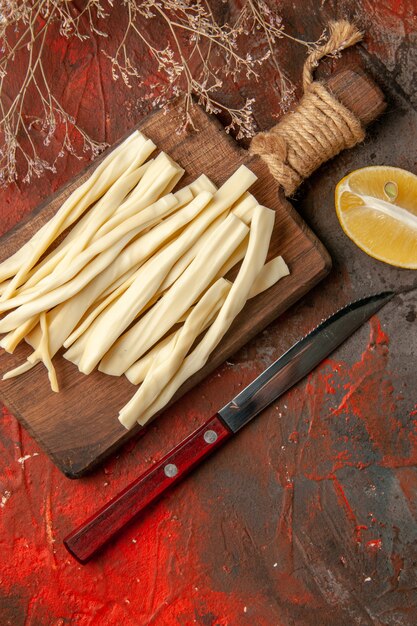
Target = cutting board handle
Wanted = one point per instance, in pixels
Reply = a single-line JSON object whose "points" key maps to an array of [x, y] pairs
{"points": [[330, 117], [358, 92]]}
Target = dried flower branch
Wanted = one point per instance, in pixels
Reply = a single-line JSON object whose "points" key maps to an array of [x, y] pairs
{"points": [[24, 27], [197, 55], [257, 16], [187, 61]]}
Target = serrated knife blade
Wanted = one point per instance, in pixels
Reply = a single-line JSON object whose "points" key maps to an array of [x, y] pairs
{"points": [[300, 360]]}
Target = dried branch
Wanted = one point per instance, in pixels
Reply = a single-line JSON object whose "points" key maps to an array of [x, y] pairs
{"points": [[196, 57], [24, 26]]}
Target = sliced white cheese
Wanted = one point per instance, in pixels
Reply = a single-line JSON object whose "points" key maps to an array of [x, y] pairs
{"points": [[124, 232], [260, 235], [119, 314], [162, 350], [189, 286], [164, 367], [102, 178]]}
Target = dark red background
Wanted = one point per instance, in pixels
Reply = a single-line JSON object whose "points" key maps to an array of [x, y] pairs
{"points": [[309, 516]]}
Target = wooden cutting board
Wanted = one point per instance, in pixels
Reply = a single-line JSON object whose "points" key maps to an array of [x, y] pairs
{"points": [[79, 427]]}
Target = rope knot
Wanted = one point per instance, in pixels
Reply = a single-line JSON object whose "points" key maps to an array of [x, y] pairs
{"points": [[318, 129]]}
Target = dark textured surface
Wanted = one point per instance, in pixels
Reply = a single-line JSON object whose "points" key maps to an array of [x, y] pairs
{"points": [[308, 517]]}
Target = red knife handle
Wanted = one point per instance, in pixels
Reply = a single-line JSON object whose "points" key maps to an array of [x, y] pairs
{"points": [[85, 541]]}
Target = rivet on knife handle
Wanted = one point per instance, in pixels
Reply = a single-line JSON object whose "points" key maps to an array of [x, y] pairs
{"points": [[91, 536]]}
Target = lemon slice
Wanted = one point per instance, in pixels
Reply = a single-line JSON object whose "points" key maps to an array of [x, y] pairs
{"points": [[377, 209]]}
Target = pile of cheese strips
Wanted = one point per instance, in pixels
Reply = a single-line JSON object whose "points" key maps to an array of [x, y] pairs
{"points": [[137, 285]]}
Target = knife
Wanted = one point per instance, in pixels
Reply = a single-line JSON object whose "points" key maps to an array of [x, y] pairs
{"points": [[295, 364]]}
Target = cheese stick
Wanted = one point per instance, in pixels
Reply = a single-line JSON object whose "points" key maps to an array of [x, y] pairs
{"points": [[189, 286], [63, 325], [48, 300], [42, 354], [88, 321], [50, 261], [10, 341], [102, 178], [124, 232], [97, 223], [143, 247], [137, 372], [183, 197], [17, 371], [232, 189], [226, 195], [243, 209], [124, 278], [3, 285], [138, 251], [45, 356], [77, 349], [234, 259], [260, 235], [162, 163], [157, 181], [11, 265], [164, 367], [120, 313], [271, 272], [223, 198], [191, 253], [56, 332], [269, 275], [135, 224], [202, 183], [108, 203]]}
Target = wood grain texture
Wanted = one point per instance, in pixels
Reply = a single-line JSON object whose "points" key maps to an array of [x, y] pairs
{"points": [[358, 92], [77, 439]]}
